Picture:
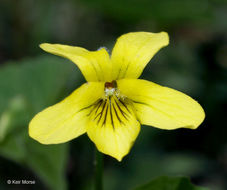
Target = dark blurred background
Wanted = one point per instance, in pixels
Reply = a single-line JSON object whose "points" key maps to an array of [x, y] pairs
{"points": [[195, 62]]}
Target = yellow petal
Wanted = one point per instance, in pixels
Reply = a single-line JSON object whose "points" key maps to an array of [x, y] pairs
{"points": [[67, 119], [133, 51], [95, 65], [161, 107], [113, 127]]}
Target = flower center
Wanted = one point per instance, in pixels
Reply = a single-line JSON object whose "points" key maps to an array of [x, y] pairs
{"points": [[113, 110], [110, 88]]}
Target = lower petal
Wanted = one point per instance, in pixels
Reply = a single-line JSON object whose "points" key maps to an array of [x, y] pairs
{"points": [[113, 127], [67, 119], [160, 106]]}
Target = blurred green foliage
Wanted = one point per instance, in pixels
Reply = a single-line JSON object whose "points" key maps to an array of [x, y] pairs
{"points": [[28, 88], [195, 62], [170, 183]]}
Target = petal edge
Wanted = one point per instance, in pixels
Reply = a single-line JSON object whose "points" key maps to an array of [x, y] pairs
{"points": [[95, 65], [133, 51], [67, 119], [162, 107]]}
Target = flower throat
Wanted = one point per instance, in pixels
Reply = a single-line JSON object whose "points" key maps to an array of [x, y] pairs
{"points": [[110, 88]]}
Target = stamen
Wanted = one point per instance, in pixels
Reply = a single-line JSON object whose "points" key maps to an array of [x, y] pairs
{"points": [[112, 84], [110, 88]]}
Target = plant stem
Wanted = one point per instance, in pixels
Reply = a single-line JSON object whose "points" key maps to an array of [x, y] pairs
{"points": [[98, 170]]}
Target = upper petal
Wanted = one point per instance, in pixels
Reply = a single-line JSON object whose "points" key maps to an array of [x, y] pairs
{"points": [[67, 119], [95, 65], [113, 127], [133, 51], [160, 106]]}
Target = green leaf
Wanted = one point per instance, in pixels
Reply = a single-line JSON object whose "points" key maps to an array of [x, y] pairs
{"points": [[27, 87], [14, 116], [170, 183], [49, 162]]}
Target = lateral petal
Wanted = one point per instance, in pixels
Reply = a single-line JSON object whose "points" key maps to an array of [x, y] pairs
{"points": [[95, 65], [68, 119], [113, 127], [160, 106], [133, 51]]}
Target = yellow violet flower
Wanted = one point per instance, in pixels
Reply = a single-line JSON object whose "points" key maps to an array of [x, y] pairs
{"points": [[113, 102]]}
